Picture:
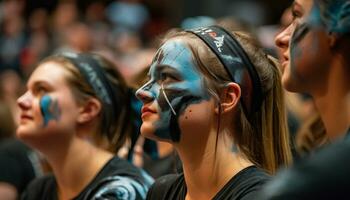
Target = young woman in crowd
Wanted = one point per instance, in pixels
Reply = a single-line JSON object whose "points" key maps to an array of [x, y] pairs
{"points": [[218, 99], [316, 60], [316, 49], [76, 113]]}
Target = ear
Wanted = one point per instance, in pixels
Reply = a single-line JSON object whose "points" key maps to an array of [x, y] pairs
{"points": [[229, 98], [89, 110]]}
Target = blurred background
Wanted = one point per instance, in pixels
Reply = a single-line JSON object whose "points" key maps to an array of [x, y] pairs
{"points": [[122, 29]]}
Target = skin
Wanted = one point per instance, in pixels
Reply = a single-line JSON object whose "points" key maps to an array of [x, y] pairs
{"points": [[206, 154], [314, 64], [174, 84], [35, 125], [51, 117], [300, 9], [8, 191]]}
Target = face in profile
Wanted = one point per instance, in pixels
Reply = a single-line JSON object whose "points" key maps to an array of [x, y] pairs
{"points": [[298, 46], [175, 97], [48, 109]]}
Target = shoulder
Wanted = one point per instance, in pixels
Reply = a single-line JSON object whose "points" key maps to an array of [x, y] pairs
{"points": [[252, 177], [165, 185], [122, 168], [40, 188], [324, 175], [244, 185], [17, 164], [121, 180], [119, 188]]}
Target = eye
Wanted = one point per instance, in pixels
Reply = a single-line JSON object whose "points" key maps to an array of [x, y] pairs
{"points": [[167, 77], [40, 90], [296, 14]]}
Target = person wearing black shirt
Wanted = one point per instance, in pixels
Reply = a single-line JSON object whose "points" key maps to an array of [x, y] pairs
{"points": [[118, 179], [76, 112], [19, 164], [217, 98], [317, 46]]}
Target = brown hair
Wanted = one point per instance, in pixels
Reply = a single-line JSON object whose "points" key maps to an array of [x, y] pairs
{"points": [[264, 137], [7, 126], [311, 135], [115, 131]]}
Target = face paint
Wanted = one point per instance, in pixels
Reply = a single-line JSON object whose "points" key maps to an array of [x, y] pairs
{"points": [[175, 84], [50, 109], [295, 50], [333, 16]]}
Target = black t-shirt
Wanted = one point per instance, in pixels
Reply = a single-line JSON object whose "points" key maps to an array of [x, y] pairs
{"points": [[18, 164], [162, 166], [323, 175], [118, 180], [243, 186]]}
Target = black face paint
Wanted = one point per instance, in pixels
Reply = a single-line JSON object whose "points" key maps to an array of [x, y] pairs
{"points": [[295, 50], [175, 84]]}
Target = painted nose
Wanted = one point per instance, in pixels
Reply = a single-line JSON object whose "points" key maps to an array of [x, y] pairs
{"points": [[24, 101], [144, 96]]}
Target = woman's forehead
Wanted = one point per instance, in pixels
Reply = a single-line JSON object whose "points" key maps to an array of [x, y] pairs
{"points": [[304, 5], [174, 54], [50, 72]]}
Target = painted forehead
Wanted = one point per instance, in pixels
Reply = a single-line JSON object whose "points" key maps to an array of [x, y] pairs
{"points": [[174, 54], [334, 15]]}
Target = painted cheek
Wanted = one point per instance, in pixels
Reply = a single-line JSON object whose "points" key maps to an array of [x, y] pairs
{"points": [[173, 101], [50, 109], [297, 48]]}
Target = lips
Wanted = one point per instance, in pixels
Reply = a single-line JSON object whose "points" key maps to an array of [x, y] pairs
{"points": [[26, 117], [146, 111]]}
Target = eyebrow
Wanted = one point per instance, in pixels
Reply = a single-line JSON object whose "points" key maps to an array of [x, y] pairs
{"points": [[168, 68], [39, 83]]}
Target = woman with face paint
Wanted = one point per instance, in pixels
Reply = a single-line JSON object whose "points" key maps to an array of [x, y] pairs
{"points": [[317, 46], [218, 99], [76, 112]]}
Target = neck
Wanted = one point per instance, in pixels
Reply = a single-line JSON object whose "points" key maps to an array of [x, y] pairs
{"points": [[74, 167], [206, 171], [334, 104]]}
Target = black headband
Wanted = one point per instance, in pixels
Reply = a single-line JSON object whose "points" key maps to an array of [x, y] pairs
{"points": [[236, 62], [94, 75]]}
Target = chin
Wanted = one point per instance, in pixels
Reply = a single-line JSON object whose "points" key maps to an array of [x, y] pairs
{"points": [[147, 132], [22, 131], [26, 136], [293, 86]]}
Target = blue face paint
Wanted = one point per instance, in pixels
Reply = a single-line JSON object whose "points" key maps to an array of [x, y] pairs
{"points": [[175, 84], [333, 16], [49, 109]]}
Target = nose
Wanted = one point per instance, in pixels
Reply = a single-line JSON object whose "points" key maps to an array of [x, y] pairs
{"points": [[144, 96], [283, 38], [24, 101]]}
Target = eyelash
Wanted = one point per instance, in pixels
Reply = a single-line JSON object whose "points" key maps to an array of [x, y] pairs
{"points": [[165, 76], [40, 90], [295, 14]]}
